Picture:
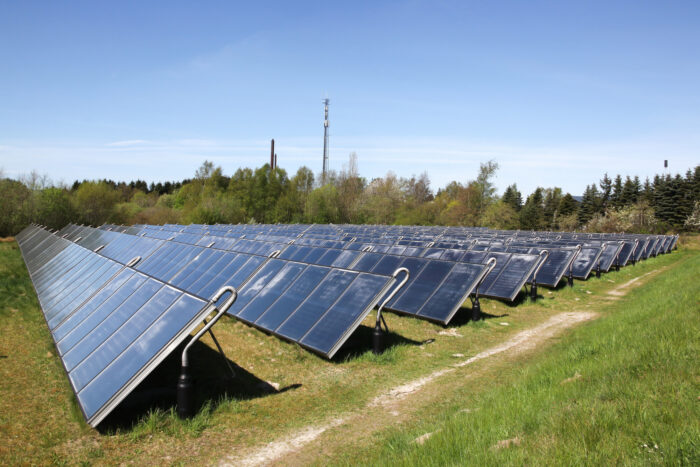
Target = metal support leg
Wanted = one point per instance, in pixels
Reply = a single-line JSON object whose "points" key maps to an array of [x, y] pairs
{"points": [[223, 355], [185, 384], [378, 334]]}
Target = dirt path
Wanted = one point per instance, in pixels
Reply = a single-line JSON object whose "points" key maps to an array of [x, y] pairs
{"points": [[391, 400], [622, 290]]}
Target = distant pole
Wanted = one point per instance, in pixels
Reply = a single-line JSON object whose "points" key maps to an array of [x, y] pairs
{"points": [[325, 139], [272, 154]]}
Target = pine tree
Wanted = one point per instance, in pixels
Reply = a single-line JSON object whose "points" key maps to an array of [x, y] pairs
{"points": [[637, 186], [552, 199], [647, 192], [568, 205], [589, 205], [605, 191], [615, 198], [513, 198], [532, 213], [628, 196]]}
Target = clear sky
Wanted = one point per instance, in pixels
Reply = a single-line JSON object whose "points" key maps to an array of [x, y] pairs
{"points": [[556, 92]]}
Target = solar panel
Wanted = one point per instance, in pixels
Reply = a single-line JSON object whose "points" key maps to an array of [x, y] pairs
{"points": [[585, 261], [511, 272], [315, 306], [435, 290], [112, 325], [608, 255], [554, 267]]}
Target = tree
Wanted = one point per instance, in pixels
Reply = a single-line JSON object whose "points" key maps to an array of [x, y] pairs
{"points": [[630, 192], [532, 213], [205, 170], [94, 202], [605, 191], [500, 215], [590, 204], [350, 187], [484, 184], [323, 205], [54, 208], [14, 197], [513, 198], [616, 197], [692, 222], [552, 199], [568, 205], [647, 193], [382, 199]]}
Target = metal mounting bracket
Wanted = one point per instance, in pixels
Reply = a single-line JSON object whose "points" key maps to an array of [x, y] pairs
{"points": [[533, 286], [570, 279], [378, 333], [185, 384], [476, 306]]}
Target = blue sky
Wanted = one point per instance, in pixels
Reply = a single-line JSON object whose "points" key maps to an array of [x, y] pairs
{"points": [[556, 92]]}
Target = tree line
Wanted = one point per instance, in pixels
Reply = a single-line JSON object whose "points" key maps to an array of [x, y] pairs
{"points": [[666, 203]]}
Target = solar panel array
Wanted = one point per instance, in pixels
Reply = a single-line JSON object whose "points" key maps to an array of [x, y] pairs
{"points": [[119, 299]]}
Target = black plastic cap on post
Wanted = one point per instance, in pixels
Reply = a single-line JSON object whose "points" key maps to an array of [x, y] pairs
{"points": [[185, 395], [377, 339], [476, 309], [570, 281]]}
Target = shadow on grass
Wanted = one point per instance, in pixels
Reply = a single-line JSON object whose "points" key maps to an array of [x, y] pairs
{"points": [[214, 384], [361, 341], [464, 316]]}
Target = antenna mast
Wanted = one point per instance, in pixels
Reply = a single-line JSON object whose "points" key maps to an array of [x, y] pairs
{"points": [[325, 139]]}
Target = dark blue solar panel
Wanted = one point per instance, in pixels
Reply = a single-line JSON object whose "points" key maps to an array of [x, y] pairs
{"points": [[255, 284], [424, 283], [106, 319], [387, 265], [81, 313], [163, 329], [120, 329], [608, 255], [554, 267], [367, 262], [585, 261], [345, 314], [315, 305], [276, 276], [195, 268], [345, 259], [234, 274], [512, 277], [292, 297], [454, 290], [328, 258]]}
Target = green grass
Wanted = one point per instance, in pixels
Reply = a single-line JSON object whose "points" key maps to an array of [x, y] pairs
{"points": [[40, 422], [636, 401]]}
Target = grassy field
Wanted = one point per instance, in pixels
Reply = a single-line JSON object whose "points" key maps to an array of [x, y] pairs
{"points": [[638, 386], [624, 389]]}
